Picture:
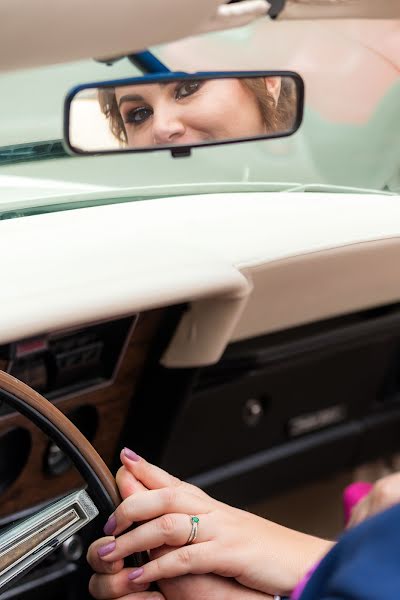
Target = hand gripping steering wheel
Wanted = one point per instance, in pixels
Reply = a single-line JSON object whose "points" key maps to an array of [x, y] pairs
{"points": [[24, 545]]}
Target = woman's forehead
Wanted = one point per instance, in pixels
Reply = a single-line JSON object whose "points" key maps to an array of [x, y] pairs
{"points": [[141, 91]]}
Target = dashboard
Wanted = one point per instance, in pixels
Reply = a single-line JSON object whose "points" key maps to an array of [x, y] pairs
{"points": [[247, 264]]}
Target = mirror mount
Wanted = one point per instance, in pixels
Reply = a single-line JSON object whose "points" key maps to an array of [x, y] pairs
{"points": [[181, 152], [145, 61]]}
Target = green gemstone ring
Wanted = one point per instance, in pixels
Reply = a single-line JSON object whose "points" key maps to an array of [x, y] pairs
{"points": [[194, 521]]}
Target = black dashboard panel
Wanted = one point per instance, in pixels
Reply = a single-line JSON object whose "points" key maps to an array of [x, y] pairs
{"points": [[282, 409]]}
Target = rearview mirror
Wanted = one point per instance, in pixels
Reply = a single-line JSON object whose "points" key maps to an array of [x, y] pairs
{"points": [[177, 112]]}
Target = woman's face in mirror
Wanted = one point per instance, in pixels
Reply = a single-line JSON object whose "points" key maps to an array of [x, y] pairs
{"points": [[192, 111]]}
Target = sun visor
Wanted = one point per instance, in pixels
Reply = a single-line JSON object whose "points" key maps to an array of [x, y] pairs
{"points": [[339, 9], [54, 31]]}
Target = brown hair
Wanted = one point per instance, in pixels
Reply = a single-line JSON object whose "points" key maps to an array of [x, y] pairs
{"points": [[276, 116], [109, 107]]}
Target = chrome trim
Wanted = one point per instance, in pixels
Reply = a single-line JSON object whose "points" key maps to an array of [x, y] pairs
{"points": [[31, 540]]}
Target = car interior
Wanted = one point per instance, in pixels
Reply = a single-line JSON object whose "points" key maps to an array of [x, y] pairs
{"points": [[245, 337]]}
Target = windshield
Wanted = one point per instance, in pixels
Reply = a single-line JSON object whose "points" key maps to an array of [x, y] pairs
{"points": [[349, 140]]}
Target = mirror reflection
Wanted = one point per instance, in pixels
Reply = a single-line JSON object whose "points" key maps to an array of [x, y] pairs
{"points": [[187, 112]]}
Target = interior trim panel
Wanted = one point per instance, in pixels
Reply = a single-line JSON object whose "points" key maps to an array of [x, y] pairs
{"points": [[320, 285]]}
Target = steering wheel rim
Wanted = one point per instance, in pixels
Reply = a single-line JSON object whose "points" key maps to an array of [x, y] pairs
{"points": [[49, 419]]}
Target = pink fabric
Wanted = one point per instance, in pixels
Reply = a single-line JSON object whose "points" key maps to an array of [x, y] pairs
{"points": [[351, 496]]}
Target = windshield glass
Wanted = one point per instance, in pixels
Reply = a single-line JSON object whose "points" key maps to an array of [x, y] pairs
{"points": [[349, 140]]}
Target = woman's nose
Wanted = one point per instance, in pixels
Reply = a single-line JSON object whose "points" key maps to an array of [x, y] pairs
{"points": [[167, 128]]}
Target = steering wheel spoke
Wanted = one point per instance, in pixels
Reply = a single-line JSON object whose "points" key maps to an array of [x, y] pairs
{"points": [[30, 541]]}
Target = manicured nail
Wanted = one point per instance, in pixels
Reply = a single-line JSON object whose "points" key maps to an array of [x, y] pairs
{"points": [[106, 549], [135, 574], [131, 454], [110, 526]]}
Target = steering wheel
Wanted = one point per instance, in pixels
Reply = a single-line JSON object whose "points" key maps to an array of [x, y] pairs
{"points": [[24, 545]]}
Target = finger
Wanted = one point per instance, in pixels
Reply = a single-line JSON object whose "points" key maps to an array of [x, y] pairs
{"points": [[152, 504], [106, 587], [196, 560], [168, 530], [153, 477], [127, 483], [98, 565]]}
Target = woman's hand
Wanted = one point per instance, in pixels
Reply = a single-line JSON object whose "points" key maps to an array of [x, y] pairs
{"points": [[233, 543], [384, 494], [111, 581]]}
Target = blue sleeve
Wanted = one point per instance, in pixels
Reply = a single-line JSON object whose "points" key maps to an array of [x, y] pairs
{"points": [[364, 564]]}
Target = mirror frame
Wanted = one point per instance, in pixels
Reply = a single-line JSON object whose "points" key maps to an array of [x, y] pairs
{"points": [[184, 150]]}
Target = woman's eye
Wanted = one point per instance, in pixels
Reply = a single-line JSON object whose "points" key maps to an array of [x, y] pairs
{"points": [[137, 116], [187, 89]]}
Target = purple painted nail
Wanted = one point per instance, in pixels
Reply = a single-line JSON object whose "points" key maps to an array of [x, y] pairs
{"points": [[131, 454], [106, 549], [135, 574], [110, 526]]}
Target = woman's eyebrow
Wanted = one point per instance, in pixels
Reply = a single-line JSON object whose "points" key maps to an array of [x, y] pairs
{"points": [[130, 98], [138, 97]]}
